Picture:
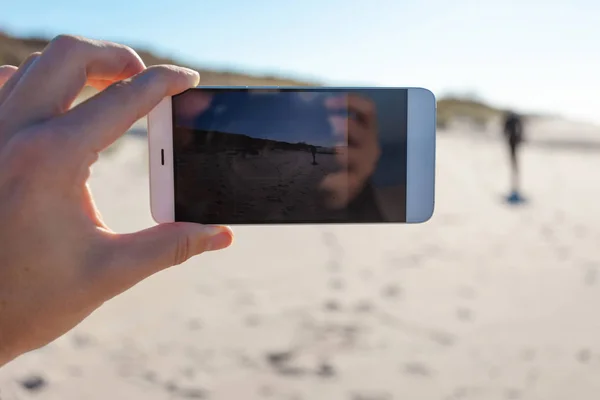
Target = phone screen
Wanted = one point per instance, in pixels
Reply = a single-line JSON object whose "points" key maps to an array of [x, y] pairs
{"points": [[290, 155]]}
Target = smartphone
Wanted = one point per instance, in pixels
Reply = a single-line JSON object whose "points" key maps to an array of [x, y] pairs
{"points": [[293, 155]]}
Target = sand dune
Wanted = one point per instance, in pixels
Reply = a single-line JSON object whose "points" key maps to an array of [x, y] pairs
{"points": [[483, 302]]}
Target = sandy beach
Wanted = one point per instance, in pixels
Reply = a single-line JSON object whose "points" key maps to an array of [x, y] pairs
{"points": [[273, 185], [485, 301]]}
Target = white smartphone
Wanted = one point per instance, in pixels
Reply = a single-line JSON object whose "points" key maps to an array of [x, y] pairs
{"points": [[293, 155]]}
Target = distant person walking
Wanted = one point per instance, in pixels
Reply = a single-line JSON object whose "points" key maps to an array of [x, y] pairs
{"points": [[313, 151], [513, 132]]}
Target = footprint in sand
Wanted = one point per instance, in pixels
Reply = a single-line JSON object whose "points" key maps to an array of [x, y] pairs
{"points": [[336, 284], [252, 320], [281, 362], [591, 276], [584, 356], [186, 392], [81, 340], [34, 383], [528, 355], [332, 306], [192, 393], [150, 376], [443, 338], [391, 291], [512, 394], [194, 324], [464, 314], [418, 369], [326, 370], [370, 396], [363, 307]]}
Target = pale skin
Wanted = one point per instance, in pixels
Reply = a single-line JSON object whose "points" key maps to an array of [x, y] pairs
{"points": [[58, 260], [359, 151]]}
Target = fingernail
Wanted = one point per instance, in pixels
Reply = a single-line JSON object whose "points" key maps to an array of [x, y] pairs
{"points": [[193, 73], [219, 241]]}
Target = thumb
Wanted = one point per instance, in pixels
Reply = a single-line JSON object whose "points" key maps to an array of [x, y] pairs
{"points": [[142, 254]]}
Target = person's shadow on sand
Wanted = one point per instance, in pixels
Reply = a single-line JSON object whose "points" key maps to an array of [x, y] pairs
{"points": [[515, 198], [315, 163]]}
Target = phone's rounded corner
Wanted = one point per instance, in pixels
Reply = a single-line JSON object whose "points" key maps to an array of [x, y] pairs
{"points": [[156, 216], [161, 206], [424, 95], [420, 215], [159, 214]]}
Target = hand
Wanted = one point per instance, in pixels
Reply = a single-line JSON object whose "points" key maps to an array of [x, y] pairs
{"points": [[58, 260], [360, 151]]}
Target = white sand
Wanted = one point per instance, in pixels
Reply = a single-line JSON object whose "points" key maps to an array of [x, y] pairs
{"points": [[483, 302]]}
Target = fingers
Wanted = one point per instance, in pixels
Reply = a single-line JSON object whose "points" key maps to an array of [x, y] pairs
{"points": [[340, 188], [61, 71], [106, 116], [10, 83], [99, 84], [6, 71], [336, 190], [142, 254], [90, 209]]}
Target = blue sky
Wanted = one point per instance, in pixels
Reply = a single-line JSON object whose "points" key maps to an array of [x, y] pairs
{"points": [[535, 55], [281, 116]]}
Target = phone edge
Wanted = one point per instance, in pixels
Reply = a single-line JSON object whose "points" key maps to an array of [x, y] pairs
{"points": [[420, 155], [160, 148]]}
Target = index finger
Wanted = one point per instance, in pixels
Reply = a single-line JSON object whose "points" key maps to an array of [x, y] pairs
{"points": [[61, 71], [6, 71], [103, 118]]}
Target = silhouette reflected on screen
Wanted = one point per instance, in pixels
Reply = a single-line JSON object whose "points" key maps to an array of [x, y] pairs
{"points": [[313, 151], [241, 156]]}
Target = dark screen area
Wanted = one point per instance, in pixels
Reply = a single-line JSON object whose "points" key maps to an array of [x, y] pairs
{"points": [[273, 156]]}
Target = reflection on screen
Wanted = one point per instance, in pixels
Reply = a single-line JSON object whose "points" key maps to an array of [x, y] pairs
{"points": [[250, 156]]}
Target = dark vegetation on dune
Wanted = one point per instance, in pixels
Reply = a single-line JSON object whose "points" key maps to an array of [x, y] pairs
{"points": [[214, 142], [13, 50], [451, 108]]}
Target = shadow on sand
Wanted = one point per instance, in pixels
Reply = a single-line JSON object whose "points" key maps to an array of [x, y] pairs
{"points": [[515, 198]]}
